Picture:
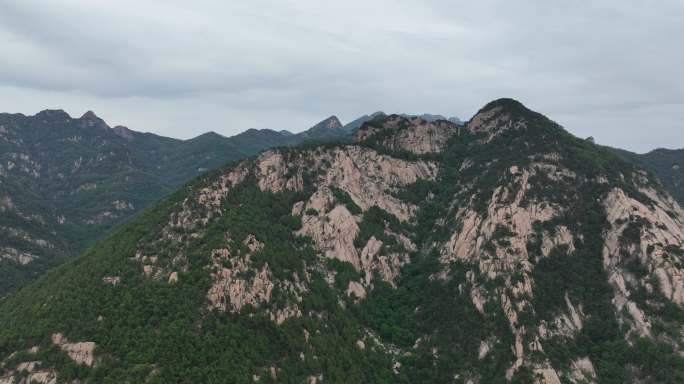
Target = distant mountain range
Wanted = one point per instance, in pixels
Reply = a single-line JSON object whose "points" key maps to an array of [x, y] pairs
{"points": [[64, 181]]}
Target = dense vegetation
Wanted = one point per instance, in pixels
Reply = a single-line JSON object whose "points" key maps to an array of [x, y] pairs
{"points": [[418, 328], [147, 325], [71, 180]]}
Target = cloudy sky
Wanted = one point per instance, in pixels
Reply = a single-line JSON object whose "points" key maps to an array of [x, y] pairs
{"points": [[610, 69]]}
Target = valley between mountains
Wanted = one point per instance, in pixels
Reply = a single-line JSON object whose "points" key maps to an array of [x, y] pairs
{"points": [[402, 249]]}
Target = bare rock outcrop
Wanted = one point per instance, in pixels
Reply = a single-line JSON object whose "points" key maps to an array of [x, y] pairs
{"points": [[30, 372], [495, 118], [649, 234], [582, 371], [496, 240], [112, 280], [81, 353], [412, 134], [237, 281], [232, 286], [17, 256], [369, 179]]}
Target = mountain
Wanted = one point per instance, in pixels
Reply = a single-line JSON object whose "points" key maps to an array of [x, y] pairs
{"points": [[504, 250], [432, 118], [358, 122], [65, 181], [330, 128], [666, 164]]}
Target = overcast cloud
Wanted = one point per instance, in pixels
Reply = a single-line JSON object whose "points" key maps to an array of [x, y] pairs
{"points": [[609, 69]]}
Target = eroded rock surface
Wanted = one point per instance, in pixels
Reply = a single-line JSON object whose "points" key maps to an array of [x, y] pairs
{"points": [[80, 352], [649, 236], [412, 134]]}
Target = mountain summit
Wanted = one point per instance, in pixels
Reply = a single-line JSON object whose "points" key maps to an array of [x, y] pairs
{"points": [[331, 122], [90, 119], [504, 250], [329, 128]]}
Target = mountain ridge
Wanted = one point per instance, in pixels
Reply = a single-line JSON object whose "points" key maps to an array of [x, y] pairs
{"points": [[70, 180], [504, 250]]}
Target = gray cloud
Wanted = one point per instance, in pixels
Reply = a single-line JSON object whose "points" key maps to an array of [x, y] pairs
{"points": [[609, 69]]}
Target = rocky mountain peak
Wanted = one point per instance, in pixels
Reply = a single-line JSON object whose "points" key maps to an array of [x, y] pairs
{"points": [[90, 119], [331, 122], [502, 115], [123, 132], [407, 133], [326, 129]]}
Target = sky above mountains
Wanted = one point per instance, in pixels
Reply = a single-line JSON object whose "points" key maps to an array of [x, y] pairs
{"points": [[608, 69]]}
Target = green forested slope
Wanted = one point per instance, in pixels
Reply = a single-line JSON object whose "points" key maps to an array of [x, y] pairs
{"points": [[64, 182], [515, 252]]}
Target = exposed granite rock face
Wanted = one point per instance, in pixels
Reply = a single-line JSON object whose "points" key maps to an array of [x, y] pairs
{"points": [[231, 290], [495, 118], [583, 371], [80, 352], [510, 218], [411, 134], [16, 255], [273, 173], [503, 237], [649, 234], [497, 241], [364, 174], [30, 372], [356, 289], [369, 179], [237, 281]]}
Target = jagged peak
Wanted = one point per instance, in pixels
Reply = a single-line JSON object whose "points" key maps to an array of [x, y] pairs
{"points": [[329, 128], [90, 115], [90, 119], [331, 122]]}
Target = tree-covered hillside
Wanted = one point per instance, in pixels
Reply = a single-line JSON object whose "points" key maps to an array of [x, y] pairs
{"points": [[505, 250], [64, 182]]}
